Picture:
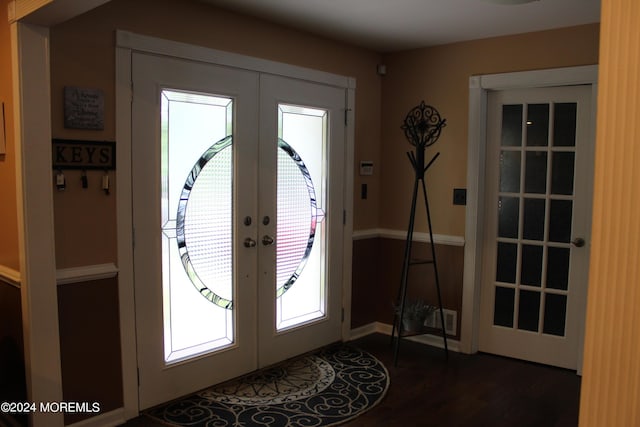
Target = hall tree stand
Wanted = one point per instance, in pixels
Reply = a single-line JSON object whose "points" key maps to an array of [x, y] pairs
{"points": [[422, 127]]}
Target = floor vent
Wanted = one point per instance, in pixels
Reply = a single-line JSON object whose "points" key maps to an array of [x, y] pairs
{"points": [[450, 321]]}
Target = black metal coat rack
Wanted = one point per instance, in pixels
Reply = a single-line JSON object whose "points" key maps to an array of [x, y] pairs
{"points": [[422, 127]]}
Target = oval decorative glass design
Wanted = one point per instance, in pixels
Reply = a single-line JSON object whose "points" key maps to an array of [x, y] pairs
{"points": [[298, 216], [199, 232]]}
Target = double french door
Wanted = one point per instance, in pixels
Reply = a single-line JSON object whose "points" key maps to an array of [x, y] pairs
{"points": [[238, 201]]}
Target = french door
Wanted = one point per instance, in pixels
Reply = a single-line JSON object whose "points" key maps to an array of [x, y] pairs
{"points": [[237, 212], [537, 223]]}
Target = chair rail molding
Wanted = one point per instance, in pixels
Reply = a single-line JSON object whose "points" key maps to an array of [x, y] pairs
{"points": [[423, 237], [10, 276], [86, 273]]}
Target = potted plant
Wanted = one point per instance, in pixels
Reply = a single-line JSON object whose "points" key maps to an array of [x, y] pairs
{"points": [[415, 314]]}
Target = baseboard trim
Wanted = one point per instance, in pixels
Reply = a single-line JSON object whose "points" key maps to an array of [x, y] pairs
{"points": [[107, 419], [385, 233], [386, 329]]}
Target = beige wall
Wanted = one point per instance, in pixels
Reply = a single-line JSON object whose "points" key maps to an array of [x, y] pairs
{"points": [[440, 76], [9, 249], [611, 374], [82, 54]]}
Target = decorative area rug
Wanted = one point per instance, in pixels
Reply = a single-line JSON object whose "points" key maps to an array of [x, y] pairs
{"points": [[325, 388]]}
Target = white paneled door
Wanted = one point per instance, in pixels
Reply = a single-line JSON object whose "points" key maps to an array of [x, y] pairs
{"points": [[238, 218], [537, 223]]}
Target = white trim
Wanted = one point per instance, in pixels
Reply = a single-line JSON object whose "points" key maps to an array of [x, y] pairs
{"points": [[148, 44], [347, 244], [86, 273], [386, 233], [48, 13], [106, 419], [10, 276], [386, 329], [126, 43], [124, 210], [32, 124], [538, 78], [478, 89]]}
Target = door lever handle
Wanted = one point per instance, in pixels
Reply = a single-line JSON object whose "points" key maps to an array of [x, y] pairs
{"points": [[267, 240]]}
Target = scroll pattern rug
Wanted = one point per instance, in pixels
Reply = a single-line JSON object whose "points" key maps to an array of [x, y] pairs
{"points": [[326, 388]]}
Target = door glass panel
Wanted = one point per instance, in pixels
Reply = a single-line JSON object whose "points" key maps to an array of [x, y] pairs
{"points": [[562, 173], [564, 118], [508, 208], [555, 313], [558, 268], [504, 306], [512, 125], [301, 229], [535, 180], [507, 260], [531, 272], [537, 125], [533, 228], [197, 246], [529, 310], [560, 220], [510, 171]]}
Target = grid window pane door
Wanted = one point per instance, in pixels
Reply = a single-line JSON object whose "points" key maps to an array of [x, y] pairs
{"points": [[532, 188]]}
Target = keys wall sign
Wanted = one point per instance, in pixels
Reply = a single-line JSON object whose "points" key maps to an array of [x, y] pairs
{"points": [[74, 154]]}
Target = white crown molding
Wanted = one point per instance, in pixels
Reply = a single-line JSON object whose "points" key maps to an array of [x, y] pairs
{"points": [[440, 239]]}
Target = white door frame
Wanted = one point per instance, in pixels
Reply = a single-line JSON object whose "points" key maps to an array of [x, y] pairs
{"points": [[126, 43], [479, 86]]}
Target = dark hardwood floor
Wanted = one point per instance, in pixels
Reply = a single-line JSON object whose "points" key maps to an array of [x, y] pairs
{"points": [[465, 390]]}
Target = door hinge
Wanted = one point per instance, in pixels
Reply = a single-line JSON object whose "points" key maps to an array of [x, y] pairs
{"points": [[344, 217], [346, 116]]}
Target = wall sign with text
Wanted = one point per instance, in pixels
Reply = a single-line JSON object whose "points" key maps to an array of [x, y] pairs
{"points": [[83, 108], [73, 154]]}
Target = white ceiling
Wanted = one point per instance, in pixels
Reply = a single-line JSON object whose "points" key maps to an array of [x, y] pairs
{"points": [[394, 25]]}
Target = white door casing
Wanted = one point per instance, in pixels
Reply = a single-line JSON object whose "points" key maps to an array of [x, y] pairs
{"points": [[479, 86]]}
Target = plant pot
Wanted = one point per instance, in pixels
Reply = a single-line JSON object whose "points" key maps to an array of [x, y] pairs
{"points": [[412, 325]]}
